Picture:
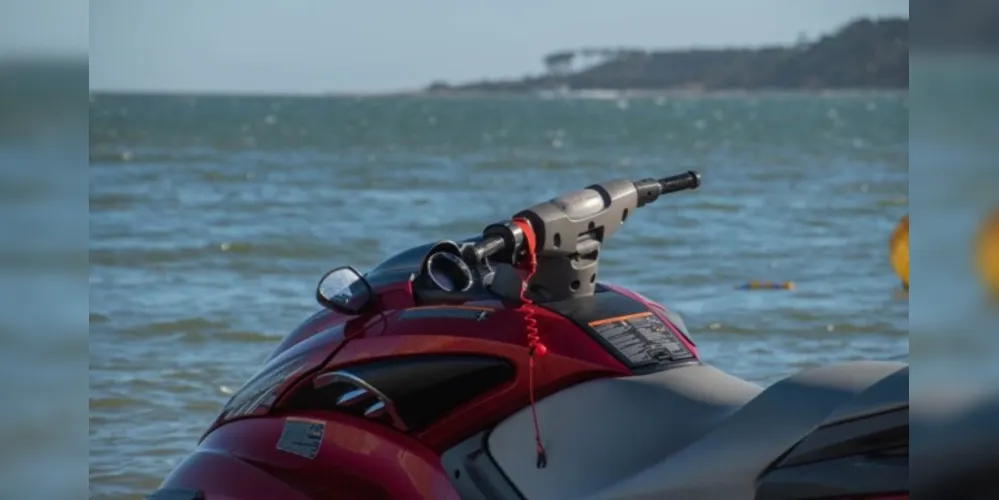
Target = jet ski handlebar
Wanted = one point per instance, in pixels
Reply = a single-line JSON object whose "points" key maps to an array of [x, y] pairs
{"points": [[502, 236], [570, 230]]}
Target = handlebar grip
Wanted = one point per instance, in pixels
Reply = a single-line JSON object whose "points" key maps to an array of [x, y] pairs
{"points": [[649, 190], [681, 182], [489, 246]]}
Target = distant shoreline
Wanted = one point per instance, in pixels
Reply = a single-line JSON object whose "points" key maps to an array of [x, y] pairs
{"points": [[606, 94], [582, 94], [866, 53]]}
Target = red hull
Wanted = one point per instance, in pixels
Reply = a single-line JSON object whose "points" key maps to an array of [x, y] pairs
{"points": [[240, 461], [238, 457]]}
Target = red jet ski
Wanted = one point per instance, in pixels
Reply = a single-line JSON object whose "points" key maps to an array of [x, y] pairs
{"points": [[499, 367]]}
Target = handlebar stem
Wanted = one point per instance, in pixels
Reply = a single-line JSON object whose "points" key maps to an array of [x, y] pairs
{"points": [[570, 231], [501, 241]]}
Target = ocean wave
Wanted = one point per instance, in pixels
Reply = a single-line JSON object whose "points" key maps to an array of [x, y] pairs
{"points": [[146, 257]]}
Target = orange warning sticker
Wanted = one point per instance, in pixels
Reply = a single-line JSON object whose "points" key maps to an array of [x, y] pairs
{"points": [[626, 317]]}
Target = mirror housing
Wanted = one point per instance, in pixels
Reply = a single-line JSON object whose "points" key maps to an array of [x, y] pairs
{"points": [[344, 290]]}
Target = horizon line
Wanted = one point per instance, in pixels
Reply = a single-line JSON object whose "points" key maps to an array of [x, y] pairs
{"points": [[573, 94]]}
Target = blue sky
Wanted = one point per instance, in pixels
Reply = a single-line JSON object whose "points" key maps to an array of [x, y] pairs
{"points": [[379, 45]]}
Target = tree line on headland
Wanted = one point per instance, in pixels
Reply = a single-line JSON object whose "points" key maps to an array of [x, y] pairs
{"points": [[872, 54]]}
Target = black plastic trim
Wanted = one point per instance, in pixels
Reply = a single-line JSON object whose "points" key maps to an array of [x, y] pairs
{"points": [[863, 436], [176, 494], [847, 477], [473, 472], [408, 261], [450, 312], [422, 388], [889, 394]]}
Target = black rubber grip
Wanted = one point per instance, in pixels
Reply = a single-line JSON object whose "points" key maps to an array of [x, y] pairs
{"points": [[681, 182], [488, 247]]}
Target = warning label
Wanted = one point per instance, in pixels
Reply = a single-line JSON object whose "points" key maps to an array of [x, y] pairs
{"points": [[642, 339]]}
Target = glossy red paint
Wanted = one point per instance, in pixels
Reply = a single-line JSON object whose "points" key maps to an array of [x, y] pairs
{"points": [[499, 325], [395, 296], [241, 460], [316, 323], [573, 357], [330, 341], [298, 362], [390, 297], [554, 371]]}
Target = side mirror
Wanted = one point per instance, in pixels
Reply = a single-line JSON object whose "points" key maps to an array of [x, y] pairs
{"points": [[344, 290]]}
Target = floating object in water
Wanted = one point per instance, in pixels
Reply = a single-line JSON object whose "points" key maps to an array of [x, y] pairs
{"points": [[988, 253], [766, 285], [899, 246]]}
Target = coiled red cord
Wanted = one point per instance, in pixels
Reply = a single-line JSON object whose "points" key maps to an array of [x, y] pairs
{"points": [[535, 347]]}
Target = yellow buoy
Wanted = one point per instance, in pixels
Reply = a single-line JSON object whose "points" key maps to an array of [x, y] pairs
{"points": [[900, 250], [767, 285], [988, 253]]}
